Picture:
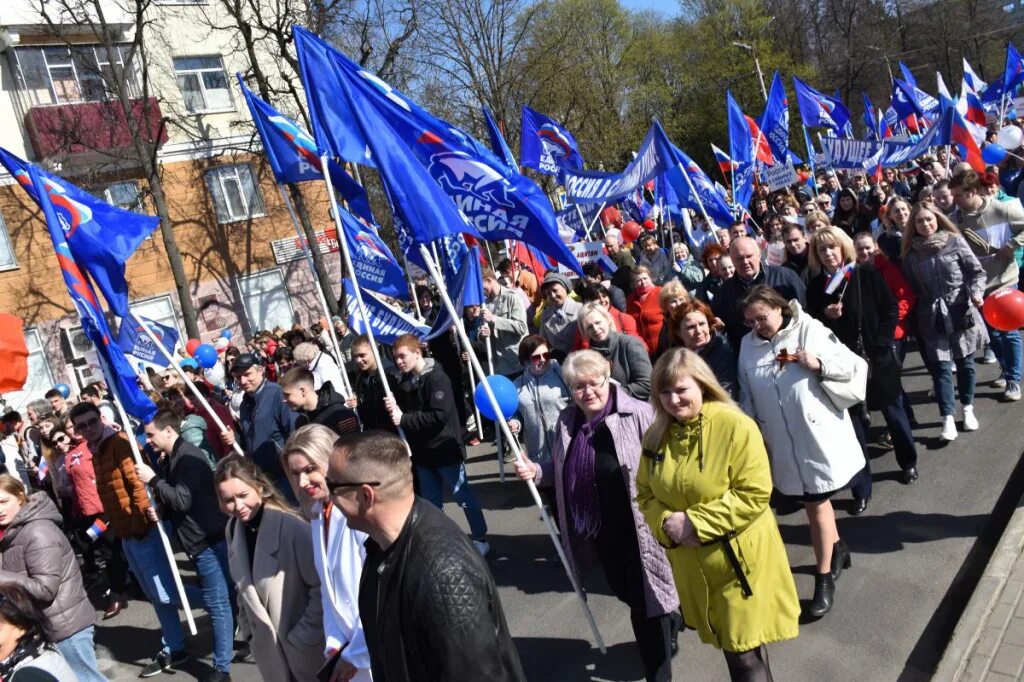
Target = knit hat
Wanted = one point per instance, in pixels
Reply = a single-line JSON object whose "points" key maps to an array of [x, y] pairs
{"points": [[554, 277]]}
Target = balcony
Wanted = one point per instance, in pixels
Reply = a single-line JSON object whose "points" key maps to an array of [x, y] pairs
{"points": [[87, 128]]}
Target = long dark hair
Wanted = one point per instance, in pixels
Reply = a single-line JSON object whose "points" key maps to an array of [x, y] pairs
{"points": [[19, 609]]}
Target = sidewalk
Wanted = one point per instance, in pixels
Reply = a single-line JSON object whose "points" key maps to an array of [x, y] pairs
{"points": [[988, 642]]}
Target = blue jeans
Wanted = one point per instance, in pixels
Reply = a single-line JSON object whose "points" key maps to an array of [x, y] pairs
{"points": [[942, 375], [80, 653], [148, 561], [432, 483], [216, 594], [1007, 348]]}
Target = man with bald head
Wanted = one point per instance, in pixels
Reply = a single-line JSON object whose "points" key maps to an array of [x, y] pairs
{"points": [[750, 272], [427, 600]]}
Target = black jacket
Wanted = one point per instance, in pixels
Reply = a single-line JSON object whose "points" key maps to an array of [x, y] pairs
{"points": [[370, 400], [725, 304], [866, 297], [722, 361], [430, 609], [265, 422], [330, 411], [189, 498], [429, 419]]}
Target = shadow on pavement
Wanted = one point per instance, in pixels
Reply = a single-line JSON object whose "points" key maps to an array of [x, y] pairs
{"points": [[891, 532], [576, 660]]}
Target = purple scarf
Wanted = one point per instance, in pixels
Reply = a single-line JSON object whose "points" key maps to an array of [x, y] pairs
{"points": [[581, 480]]}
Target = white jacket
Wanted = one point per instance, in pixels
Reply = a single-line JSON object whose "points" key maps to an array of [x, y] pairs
{"points": [[811, 444], [339, 563], [325, 369]]}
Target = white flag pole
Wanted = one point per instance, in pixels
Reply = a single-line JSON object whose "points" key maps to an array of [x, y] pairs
{"points": [[501, 449], [503, 425], [700, 205]]}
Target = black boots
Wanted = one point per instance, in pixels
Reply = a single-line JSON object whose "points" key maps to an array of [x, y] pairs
{"points": [[824, 595], [840, 559]]}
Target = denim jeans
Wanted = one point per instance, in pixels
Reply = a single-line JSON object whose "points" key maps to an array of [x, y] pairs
{"points": [[431, 487], [215, 594], [861, 485], [80, 653], [942, 375], [148, 561], [1007, 348]]}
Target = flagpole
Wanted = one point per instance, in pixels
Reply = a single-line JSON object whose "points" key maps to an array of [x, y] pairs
{"points": [[358, 291], [700, 205], [346, 388], [503, 425], [583, 221], [472, 392], [137, 456], [501, 450], [810, 160], [184, 377]]}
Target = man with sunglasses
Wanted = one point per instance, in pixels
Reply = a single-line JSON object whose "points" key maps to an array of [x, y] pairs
{"points": [[428, 603]]}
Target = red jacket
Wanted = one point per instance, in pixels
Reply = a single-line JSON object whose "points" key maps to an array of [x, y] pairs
{"points": [[624, 324], [648, 316], [78, 464], [900, 288], [220, 450]]}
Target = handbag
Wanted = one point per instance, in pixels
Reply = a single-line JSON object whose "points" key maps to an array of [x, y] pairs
{"points": [[844, 394]]}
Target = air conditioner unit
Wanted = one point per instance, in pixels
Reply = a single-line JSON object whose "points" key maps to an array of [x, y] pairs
{"points": [[76, 343], [86, 375]]}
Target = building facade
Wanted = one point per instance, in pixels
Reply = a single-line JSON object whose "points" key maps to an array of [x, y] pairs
{"points": [[243, 261]]}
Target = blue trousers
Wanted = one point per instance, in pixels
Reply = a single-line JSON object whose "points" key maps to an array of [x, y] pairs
{"points": [[80, 653], [148, 561], [216, 593], [431, 487]]}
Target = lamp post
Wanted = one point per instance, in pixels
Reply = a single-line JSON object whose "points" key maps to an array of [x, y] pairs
{"points": [[757, 65]]}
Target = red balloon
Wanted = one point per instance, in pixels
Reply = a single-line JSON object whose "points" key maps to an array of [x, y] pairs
{"points": [[630, 231], [611, 216], [191, 345], [1004, 309], [649, 185], [650, 224]]}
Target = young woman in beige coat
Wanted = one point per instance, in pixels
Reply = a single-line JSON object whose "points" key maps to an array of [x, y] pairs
{"points": [[270, 552]]}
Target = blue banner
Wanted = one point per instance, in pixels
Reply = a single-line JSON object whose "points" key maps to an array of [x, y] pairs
{"points": [[388, 323], [652, 159], [741, 150], [134, 340]]}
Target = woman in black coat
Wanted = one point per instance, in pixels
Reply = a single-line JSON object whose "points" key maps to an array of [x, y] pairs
{"points": [[857, 305]]}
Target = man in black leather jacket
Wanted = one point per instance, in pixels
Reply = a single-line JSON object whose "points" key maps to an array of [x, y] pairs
{"points": [[427, 600]]}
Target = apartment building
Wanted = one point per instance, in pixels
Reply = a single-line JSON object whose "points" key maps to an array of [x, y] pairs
{"points": [[243, 261]]}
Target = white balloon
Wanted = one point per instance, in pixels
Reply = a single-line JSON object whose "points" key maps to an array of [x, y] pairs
{"points": [[1010, 137]]}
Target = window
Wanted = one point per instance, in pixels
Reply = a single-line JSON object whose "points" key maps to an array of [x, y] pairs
{"points": [[124, 195], [63, 74], [7, 260], [235, 195], [40, 378], [266, 300], [203, 84]]}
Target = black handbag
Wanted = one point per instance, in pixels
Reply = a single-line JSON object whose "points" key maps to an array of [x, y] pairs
{"points": [[883, 369], [961, 317]]}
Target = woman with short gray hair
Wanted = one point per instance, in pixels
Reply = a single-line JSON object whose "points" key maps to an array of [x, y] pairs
{"points": [[630, 364]]}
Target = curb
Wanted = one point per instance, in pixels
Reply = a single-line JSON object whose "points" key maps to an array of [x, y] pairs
{"points": [[983, 600]]}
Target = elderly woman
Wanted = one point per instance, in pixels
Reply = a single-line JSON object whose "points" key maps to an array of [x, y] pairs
{"points": [[594, 460], [686, 268], [949, 283], [656, 260], [697, 329], [631, 367], [671, 297], [710, 258], [703, 486], [858, 306], [644, 304], [812, 444]]}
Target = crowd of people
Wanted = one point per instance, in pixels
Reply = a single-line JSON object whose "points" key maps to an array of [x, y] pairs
{"points": [[666, 403]]}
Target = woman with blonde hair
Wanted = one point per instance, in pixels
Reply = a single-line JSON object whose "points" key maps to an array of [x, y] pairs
{"points": [[338, 550], [631, 367], [703, 485], [672, 295], [815, 220], [894, 222], [270, 553]]}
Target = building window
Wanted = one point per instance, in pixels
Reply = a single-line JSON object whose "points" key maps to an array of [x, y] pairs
{"points": [[40, 378], [266, 300], [203, 84], [124, 195], [235, 194], [7, 259], [64, 75]]}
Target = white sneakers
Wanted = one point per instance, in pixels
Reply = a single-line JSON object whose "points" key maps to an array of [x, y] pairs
{"points": [[948, 429], [970, 421]]}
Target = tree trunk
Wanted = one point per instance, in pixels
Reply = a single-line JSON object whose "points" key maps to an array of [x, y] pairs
{"points": [[188, 308], [322, 276]]}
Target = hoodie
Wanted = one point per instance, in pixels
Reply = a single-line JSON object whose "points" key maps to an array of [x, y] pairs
{"points": [[330, 411]]}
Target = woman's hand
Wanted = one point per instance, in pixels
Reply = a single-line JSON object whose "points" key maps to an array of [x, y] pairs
{"points": [[834, 311], [680, 530], [514, 426], [808, 360], [525, 469], [978, 302]]}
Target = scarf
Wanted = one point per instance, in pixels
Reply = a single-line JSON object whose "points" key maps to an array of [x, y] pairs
{"points": [[29, 646], [930, 245], [583, 501]]}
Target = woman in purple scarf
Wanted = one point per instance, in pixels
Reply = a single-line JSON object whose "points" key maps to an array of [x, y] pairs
{"points": [[594, 459]]}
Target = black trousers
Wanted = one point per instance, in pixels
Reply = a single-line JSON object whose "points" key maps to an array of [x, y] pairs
{"points": [[860, 484]]}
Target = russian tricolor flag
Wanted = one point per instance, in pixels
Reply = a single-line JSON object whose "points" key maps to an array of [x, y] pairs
{"points": [[725, 163], [842, 274], [98, 528], [44, 467]]}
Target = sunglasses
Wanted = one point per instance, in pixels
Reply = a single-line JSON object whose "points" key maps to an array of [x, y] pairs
{"points": [[82, 425], [60, 441], [540, 357], [336, 489]]}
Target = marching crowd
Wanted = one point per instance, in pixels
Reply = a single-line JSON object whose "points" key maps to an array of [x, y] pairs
{"points": [[667, 402]]}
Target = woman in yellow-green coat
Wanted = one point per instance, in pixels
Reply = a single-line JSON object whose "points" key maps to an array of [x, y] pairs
{"points": [[703, 486]]}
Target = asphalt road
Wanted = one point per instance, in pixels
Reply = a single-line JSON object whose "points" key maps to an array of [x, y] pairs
{"points": [[914, 554]]}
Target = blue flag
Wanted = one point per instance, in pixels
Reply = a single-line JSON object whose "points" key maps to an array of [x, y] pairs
{"points": [[774, 122], [293, 155], [594, 187], [101, 236], [871, 131], [907, 75], [741, 152], [498, 144], [1013, 75], [545, 145], [119, 375], [388, 323], [375, 266], [904, 100], [465, 289], [818, 110], [707, 195], [134, 341]]}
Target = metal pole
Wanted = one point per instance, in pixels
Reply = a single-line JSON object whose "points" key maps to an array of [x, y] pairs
{"points": [[583, 221], [760, 77], [472, 392], [503, 425], [810, 161], [346, 389]]}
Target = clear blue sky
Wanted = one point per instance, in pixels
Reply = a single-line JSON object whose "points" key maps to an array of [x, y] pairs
{"points": [[669, 8]]}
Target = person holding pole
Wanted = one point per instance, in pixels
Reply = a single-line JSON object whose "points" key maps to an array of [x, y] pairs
{"points": [[126, 505], [504, 322], [323, 406], [368, 391]]}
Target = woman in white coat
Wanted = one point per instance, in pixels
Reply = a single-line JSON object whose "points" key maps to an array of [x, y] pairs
{"points": [[812, 445], [337, 550], [270, 554]]}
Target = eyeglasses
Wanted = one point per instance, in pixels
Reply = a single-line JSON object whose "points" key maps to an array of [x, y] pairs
{"points": [[540, 357], [580, 390], [337, 489], [82, 425], [756, 321]]}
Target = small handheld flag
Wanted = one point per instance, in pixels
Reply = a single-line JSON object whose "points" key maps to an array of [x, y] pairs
{"points": [[842, 274], [98, 528]]}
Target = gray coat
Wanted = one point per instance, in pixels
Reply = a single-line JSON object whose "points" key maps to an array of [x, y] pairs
{"points": [[631, 366], [627, 425], [507, 330], [35, 555], [942, 280], [558, 327], [541, 400]]}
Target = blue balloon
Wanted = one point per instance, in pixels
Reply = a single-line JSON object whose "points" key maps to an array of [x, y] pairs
{"points": [[993, 153], [205, 355], [504, 390], [227, 334], [188, 362], [64, 389]]}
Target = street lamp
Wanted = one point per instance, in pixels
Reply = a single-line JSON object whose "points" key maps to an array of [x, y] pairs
{"points": [[884, 57], [757, 65]]}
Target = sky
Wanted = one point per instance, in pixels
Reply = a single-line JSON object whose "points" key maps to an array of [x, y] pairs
{"points": [[670, 8]]}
